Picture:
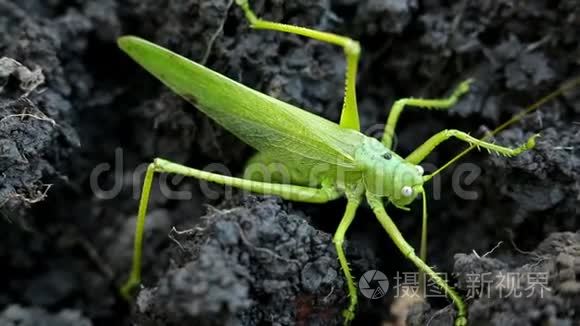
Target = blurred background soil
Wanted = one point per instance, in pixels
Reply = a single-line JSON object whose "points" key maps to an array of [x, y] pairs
{"points": [[79, 122]]}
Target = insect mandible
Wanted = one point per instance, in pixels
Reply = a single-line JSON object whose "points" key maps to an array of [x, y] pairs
{"points": [[347, 162]]}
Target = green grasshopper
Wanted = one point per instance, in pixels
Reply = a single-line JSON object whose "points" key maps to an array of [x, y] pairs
{"points": [[347, 162]]}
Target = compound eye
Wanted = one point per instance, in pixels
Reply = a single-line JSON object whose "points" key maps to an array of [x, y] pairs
{"points": [[407, 191], [419, 169]]}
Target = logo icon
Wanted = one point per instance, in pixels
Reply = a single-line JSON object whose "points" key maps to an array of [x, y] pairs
{"points": [[373, 284]]}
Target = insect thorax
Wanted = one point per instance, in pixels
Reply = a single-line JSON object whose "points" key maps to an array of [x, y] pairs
{"points": [[388, 174]]}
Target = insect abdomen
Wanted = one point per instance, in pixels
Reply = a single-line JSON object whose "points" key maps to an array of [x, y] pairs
{"points": [[271, 168]]}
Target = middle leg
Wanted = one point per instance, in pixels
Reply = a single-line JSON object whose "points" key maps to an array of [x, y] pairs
{"points": [[441, 104], [353, 201]]}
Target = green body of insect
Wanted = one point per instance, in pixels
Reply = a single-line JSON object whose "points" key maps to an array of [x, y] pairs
{"points": [[318, 160]]}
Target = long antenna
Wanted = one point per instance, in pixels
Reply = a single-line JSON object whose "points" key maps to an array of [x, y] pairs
{"points": [[563, 88]]}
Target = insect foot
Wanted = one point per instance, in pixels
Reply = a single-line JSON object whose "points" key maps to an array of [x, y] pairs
{"points": [[128, 289], [463, 87], [461, 321], [531, 143], [348, 315]]}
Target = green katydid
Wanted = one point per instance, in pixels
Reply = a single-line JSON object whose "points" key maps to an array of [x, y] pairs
{"points": [[347, 162]]}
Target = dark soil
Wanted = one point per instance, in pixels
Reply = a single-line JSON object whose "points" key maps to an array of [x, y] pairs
{"points": [[79, 121]]}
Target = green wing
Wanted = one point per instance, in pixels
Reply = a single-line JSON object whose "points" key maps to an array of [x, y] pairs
{"points": [[265, 123]]}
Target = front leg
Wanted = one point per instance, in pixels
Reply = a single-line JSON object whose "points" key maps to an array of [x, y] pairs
{"points": [[409, 252], [427, 147]]}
